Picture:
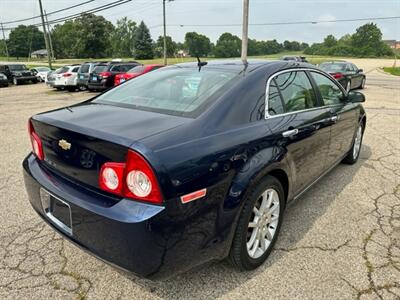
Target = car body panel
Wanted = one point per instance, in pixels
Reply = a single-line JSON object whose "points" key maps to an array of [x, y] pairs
{"points": [[225, 150]]}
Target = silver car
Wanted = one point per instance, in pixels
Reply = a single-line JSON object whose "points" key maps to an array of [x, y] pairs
{"points": [[64, 78]]}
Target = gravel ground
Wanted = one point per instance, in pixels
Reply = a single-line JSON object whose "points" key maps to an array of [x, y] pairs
{"points": [[341, 240]]}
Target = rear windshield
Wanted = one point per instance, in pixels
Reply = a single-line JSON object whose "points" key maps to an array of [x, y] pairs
{"points": [[62, 70], [100, 68], [137, 69], [121, 68], [17, 67], [332, 67], [173, 90], [84, 68]]}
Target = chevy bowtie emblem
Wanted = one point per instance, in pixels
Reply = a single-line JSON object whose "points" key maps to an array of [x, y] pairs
{"points": [[64, 144]]}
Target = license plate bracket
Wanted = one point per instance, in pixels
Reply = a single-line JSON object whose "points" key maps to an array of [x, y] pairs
{"points": [[57, 211]]}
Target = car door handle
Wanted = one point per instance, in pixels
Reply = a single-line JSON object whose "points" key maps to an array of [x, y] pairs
{"points": [[335, 119], [290, 133]]}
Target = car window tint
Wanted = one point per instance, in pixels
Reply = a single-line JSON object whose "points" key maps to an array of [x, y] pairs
{"points": [[296, 91], [84, 68], [275, 104], [74, 70], [137, 69], [173, 90], [330, 92], [99, 69]]}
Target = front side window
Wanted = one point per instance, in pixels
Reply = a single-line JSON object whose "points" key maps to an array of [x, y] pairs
{"points": [[173, 90], [331, 94], [296, 91]]}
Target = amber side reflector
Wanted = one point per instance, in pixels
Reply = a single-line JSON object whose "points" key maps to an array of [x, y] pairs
{"points": [[193, 196]]}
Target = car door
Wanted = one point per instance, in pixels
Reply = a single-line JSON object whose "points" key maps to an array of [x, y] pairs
{"points": [[343, 120], [298, 123]]}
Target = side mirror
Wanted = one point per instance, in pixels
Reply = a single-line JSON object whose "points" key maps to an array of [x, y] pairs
{"points": [[355, 97], [360, 70]]}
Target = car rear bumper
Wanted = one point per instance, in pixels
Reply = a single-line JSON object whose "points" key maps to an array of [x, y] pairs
{"points": [[122, 234], [97, 86]]}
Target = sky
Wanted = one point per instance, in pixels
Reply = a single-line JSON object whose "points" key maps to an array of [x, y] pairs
{"points": [[207, 16]]}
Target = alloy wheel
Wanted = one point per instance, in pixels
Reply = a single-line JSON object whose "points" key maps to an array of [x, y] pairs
{"points": [[357, 142], [348, 88], [263, 223]]}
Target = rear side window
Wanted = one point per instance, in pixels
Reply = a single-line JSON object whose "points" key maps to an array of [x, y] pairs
{"points": [[137, 69], [84, 68], [331, 94], [275, 104], [296, 90]]}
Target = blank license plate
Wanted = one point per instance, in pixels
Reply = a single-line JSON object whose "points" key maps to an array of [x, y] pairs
{"points": [[57, 210]]}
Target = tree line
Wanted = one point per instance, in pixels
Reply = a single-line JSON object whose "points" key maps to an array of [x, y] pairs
{"points": [[92, 36]]}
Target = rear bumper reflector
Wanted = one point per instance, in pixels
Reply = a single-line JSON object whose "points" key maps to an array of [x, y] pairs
{"points": [[193, 196]]}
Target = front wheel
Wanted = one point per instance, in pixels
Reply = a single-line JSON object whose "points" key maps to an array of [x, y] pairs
{"points": [[15, 81], [258, 224], [362, 85], [354, 152], [348, 86]]}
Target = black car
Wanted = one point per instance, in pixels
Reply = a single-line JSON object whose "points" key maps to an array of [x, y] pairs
{"points": [[84, 73], [103, 74], [18, 73], [349, 76], [190, 163], [3, 80]]}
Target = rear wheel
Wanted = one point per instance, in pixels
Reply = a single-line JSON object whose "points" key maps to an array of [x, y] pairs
{"points": [[34, 81], [354, 152], [258, 224], [348, 86], [15, 81]]}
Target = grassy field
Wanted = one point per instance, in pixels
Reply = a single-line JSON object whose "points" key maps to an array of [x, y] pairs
{"points": [[314, 59], [393, 71]]}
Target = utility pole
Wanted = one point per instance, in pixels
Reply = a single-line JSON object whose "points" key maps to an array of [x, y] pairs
{"points": [[245, 30], [49, 34], [4, 39], [165, 35], [45, 34]]}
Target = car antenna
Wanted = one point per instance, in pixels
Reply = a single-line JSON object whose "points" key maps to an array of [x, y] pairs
{"points": [[200, 63]]}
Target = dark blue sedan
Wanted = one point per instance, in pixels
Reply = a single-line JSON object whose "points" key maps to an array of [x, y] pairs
{"points": [[190, 163]]}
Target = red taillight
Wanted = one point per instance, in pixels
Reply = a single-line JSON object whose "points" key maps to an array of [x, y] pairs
{"points": [[133, 179], [67, 74], [337, 75], [37, 147], [105, 74]]}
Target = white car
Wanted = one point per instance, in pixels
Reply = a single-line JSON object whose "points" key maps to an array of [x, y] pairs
{"points": [[41, 73], [65, 78]]}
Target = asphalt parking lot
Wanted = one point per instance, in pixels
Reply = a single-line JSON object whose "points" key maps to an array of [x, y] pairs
{"points": [[341, 240]]}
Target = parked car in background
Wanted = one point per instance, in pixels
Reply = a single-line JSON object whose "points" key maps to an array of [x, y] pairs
{"points": [[3, 80], [349, 76], [84, 72], [103, 74], [40, 73], [17, 73], [135, 72], [294, 58], [65, 78], [190, 163]]}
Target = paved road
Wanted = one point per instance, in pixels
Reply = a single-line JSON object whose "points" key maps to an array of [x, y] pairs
{"points": [[340, 241]]}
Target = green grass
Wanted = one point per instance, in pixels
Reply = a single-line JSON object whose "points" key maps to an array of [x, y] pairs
{"points": [[393, 71]]}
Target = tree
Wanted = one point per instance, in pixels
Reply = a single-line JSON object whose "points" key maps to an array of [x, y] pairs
{"points": [[291, 45], [330, 41], [368, 41], [228, 45], [171, 46], [197, 44], [88, 36], [25, 39], [123, 38], [143, 43]]}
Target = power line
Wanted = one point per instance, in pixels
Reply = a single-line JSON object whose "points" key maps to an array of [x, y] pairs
{"points": [[281, 23], [77, 15], [50, 13]]}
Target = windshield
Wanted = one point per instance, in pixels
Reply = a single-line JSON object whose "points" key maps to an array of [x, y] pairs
{"points": [[42, 69], [17, 67], [173, 90], [332, 67]]}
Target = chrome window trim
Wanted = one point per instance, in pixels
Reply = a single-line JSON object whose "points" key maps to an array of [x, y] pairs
{"points": [[268, 116]]}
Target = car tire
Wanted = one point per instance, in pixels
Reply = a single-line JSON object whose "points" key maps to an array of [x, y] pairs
{"points": [[354, 153], [34, 81], [82, 88], [71, 89], [362, 85], [249, 250], [15, 81]]}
